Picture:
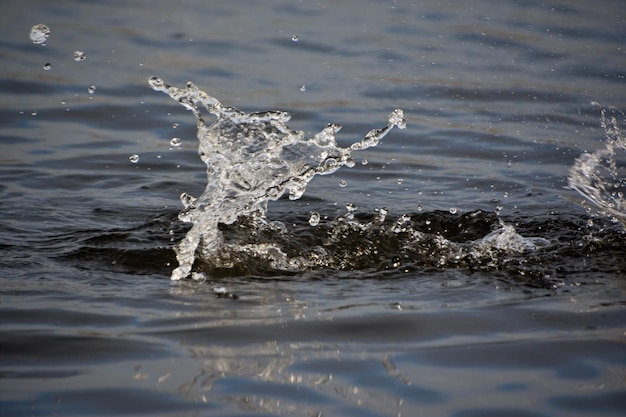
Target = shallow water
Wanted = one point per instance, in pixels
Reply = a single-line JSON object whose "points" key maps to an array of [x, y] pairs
{"points": [[499, 105]]}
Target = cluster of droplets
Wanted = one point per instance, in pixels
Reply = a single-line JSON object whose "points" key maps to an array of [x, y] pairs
{"points": [[39, 35]]}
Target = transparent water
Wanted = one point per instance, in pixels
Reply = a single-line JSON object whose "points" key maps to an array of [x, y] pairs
{"points": [[471, 264]]}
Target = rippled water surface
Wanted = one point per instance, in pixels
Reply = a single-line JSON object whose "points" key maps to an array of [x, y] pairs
{"points": [[472, 264]]}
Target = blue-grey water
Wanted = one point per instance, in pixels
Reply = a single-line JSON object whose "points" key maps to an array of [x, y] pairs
{"points": [[501, 99]]}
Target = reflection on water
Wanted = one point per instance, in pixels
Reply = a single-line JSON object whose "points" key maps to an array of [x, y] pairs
{"points": [[318, 366]]}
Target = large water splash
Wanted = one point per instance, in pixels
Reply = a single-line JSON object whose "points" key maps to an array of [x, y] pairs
{"points": [[254, 158], [600, 176], [251, 158]]}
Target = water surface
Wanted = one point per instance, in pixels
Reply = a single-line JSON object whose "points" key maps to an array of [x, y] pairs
{"points": [[501, 100]]}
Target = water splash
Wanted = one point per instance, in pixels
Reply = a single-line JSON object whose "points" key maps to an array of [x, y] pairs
{"points": [[600, 176], [255, 158], [251, 159]]}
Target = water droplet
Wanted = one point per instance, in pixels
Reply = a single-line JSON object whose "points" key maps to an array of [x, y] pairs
{"points": [[176, 142], [364, 161], [47, 66], [303, 88], [351, 207], [314, 220], [220, 291], [400, 180], [174, 125], [453, 210], [295, 38], [419, 208], [382, 214], [134, 158], [92, 89], [79, 56], [188, 200], [39, 33], [343, 183], [396, 118]]}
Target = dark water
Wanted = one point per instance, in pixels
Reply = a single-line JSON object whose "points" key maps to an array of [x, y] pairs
{"points": [[498, 101]]}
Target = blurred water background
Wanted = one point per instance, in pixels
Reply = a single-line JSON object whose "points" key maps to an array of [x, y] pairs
{"points": [[500, 97]]}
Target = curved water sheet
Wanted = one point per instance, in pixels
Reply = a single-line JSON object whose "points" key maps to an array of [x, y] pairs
{"points": [[251, 159], [600, 176], [254, 158]]}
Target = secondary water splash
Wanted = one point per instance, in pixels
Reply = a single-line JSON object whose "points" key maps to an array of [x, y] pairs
{"points": [[251, 158], [600, 176]]}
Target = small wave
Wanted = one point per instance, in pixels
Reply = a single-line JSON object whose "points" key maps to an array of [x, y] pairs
{"points": [[474, 240]]}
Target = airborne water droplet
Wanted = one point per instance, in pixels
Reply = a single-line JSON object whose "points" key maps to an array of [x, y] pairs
{"points": [[303, 88], [134, 158], [295, 38], [47, 66], [176, 142], [343, 183], [351, 209], [314, 220], [79, 56], [453, 210], [396, 118], [92, 89], [382, 214], [39, 33]]}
